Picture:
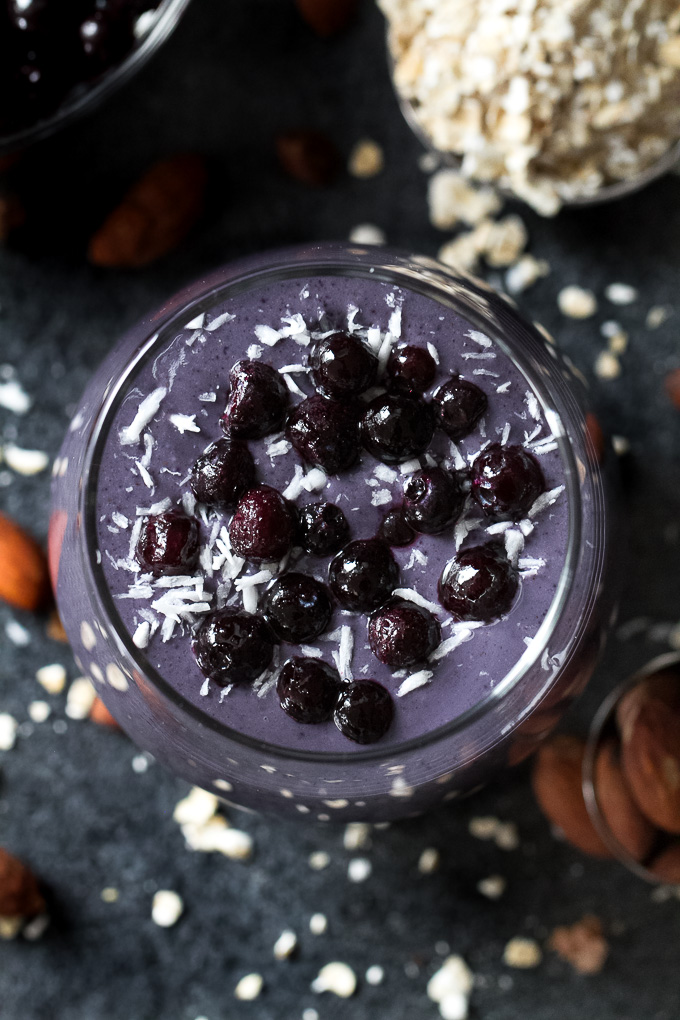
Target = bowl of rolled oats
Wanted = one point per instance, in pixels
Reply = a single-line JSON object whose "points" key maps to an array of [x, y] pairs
{"points": [[557, 102]]}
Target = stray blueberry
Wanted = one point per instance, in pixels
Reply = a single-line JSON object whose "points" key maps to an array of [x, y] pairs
{"points": [[402, 634], [364, 711], [433, 499], [506, 481], [223, 473], [308, 690], [342, 366], [297, 608], [232, 647], [395, 529], [258, 401], [410, 369], [323, 528], [459, 405], [263, 527], [325, 433], [168, 544], [363, 575], [479, 583], [397, 428]]}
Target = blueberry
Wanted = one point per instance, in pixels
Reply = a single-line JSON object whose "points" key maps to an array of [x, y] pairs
{"points": [[232, 647], [363, 575], [342, 366], [397, 428], [308, 690], [297, 608], [433, 499], [410, 369], [263, 527], [395, 529], [325, 433], [323, 528], [106, 39], [223, 473], [168, 544], [479, 583], [258, 401], [364, 711], [506, 481], [30, 15], [402, 634], [459, 405]]}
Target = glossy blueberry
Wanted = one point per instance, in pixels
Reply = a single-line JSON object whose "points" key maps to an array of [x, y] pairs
{"points": [[459, 405], [263, 527], [223, 473], [297, 608], [433, 499], [395, 529], [325, 433], [397, 428], [342, 366], [106, 37], [258, 401], [479, 583], [232, 647], [363, 575], [410, 369], [308, 690], [402, 634], [364, 711], [323, 528], [506, 481], [168, 544]]}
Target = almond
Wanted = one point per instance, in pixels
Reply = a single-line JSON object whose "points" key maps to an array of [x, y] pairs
{"points": [[666, 866], [557, 787], [100, 714], [596, 436], [620, 812], [308, 156], [55, 628], [649, 722], [24, 581], [673, 387], [581, 944], [19, 892], [327, 17], [155, 215]]}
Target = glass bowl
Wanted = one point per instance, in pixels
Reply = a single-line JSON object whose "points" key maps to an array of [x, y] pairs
{"points": [[87, 96]]}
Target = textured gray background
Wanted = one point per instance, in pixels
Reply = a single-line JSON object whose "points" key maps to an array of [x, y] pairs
{"points": [[71, 804]]}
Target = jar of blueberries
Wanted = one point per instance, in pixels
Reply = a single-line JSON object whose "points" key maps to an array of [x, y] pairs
{"points": [[330, 534], [58, 60]]}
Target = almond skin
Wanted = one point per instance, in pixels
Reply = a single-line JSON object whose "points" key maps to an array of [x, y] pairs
{"points": [[100, 714], [649, 721], [19, 893], [24, 580], [327, 17], [556, 782], [625, 820], [666, 866]]}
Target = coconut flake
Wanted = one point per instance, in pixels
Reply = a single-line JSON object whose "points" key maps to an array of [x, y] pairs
{"points": [[546, 499], [503, 388], [380, 497], [254, 352], [219, 321], [140, 638], [293, 386], [479, 338], [411, 595], [532, 403], [409, 467], [267, 335], [295, 485], [419, 679], [315, 480], [343, 656], [146, 411], [433, 352], [184, 423], [462, 632]]}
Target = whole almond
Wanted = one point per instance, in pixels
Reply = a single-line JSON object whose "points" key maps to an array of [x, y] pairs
{"points": [[24, 580], [155, 215], [327, 17], [620, 812], [556, 782], [100, 714], [308, 156], [649, 723], [666, 866], [19, 892]]}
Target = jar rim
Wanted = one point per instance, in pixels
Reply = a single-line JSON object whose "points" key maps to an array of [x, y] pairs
{"points": [[467, 297]]}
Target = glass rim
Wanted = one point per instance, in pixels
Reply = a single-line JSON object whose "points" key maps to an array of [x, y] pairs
{"points": [[168, 15], [331, 259]]}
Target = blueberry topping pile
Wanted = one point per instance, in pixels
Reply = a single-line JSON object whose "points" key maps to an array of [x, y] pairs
{"points": [[168, 544], [342, 421], [479, 583], [49, 47], [506, 481]]}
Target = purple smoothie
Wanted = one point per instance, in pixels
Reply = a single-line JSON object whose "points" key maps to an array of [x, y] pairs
{"points": [[145, 464]]}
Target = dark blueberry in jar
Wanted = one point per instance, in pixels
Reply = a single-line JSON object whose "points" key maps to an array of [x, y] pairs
{"points": [[257, 403], [106, 37], [232, 647], [410, 369], [325, 433], [459, 405], [506, 481], [395, 529], [168, 544], [433, 499], [263, 527], [396, 428], [479, 584], [342, 366], [223, 473], [297, 608], [30, 15], [363, 575], [308, 690], [323, 528], [402, 634], [364, 711]]}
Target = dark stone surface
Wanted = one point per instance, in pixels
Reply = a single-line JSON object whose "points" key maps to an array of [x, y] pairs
{"points": [[71, 804]]}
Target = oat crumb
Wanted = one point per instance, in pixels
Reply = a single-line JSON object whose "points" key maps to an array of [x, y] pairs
{"points": [[249, 987], [581, 944], [577, 302], [522, 953], [366, 159]]}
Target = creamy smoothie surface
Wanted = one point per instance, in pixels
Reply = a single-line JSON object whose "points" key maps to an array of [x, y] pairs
{"points": [[387, 452]]}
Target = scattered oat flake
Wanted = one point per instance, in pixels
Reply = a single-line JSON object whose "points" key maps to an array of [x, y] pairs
{"points": [[357, 836], [338, 978], [621, 294], [576, 302], [39, 711], [657, 315], [524, 273], [52, 678], [367, 233], [17, 633], [285, 945], [167, 908], [452, 198], [25, 462], [366, 159], [454, 978], [581, 944], [359, 869], [492, 887], [14, 398], [522, 953], [607, 366], [318, 924], [375, 975], [80, 698], [318, 860], [249, 987], [429, 860]]}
